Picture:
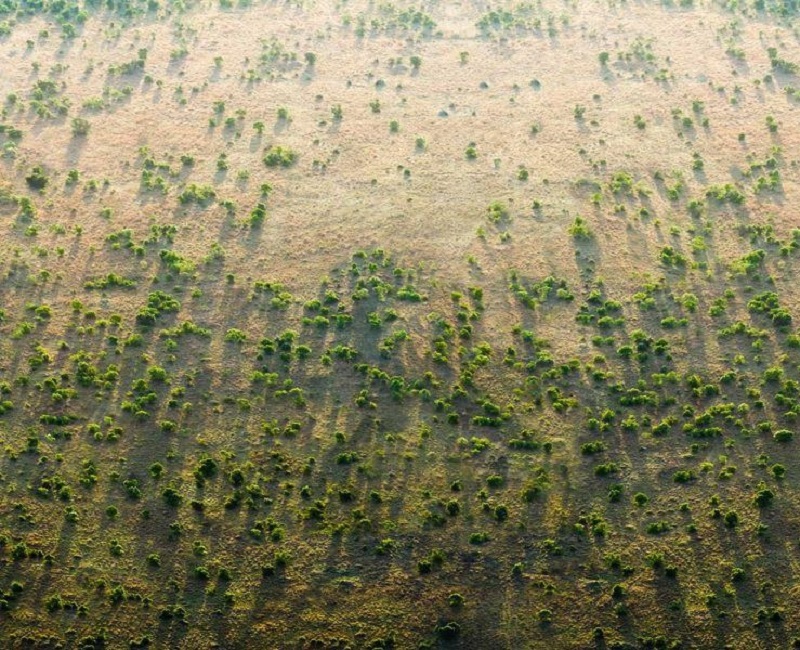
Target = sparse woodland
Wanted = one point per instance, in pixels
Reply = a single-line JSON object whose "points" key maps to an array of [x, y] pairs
{"points": [[341, 325]]}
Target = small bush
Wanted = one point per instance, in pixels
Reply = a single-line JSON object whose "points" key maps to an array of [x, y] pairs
{"points": [[200, 194], [580, 229], [80, 126], [171, 497], [763, 497], [783, 435], [277, 156], [731, 519], [448, 631], [37, 179]]}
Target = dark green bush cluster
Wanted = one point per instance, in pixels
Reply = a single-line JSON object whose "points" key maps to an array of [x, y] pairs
{"points": [[200, 195], [533, 294], [498, 212], [257, 215], [158, 303], [767, 303], [110, 280], [726, 193], [37, 179], [580, 230], [278, 156]]}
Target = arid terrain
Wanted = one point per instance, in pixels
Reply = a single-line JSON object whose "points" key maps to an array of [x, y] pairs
{"points": [[331, 325]]}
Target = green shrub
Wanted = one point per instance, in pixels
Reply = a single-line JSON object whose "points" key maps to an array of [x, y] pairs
{"points": [[497, 212], [448, 631], [726, 193], [783, 435], [580, 229], [37, 179], [278, 156], [772, 123], [234, 335], [658, 527], [80, 126], [257, 216], [171, 497], [201, 195], [606, 469], [158, 303], [615, 493], [594, 447], [455, 600], [763, 497]]}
